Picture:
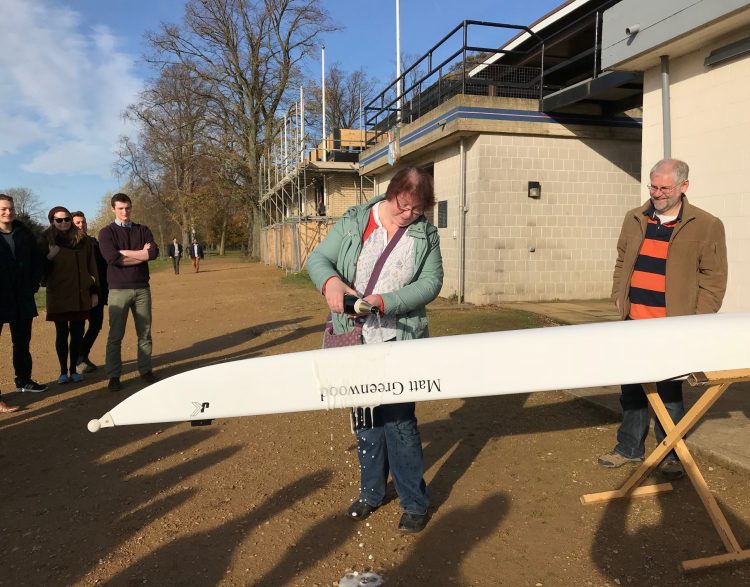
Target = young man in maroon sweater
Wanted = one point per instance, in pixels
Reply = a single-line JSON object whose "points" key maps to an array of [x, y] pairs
{"points": [[127, 247]]}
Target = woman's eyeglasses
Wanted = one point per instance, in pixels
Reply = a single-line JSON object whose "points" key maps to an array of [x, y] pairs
{"points": [[61, 220], [410, 209]]}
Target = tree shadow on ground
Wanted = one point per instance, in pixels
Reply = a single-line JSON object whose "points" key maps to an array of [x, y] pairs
{"points": [[203, 558], [241, 336], [68, 496], [316, 544], [204, 352], [436, 558], [211, 270], [642, 541], [193, 357], [478, 420], [440, 548]]}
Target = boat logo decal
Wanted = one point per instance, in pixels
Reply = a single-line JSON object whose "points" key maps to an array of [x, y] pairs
{"points": [[199, 408]]}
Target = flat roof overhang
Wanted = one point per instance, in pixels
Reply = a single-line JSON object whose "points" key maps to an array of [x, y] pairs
{"points": [[464, 116], [623, 89], [693, 40]]}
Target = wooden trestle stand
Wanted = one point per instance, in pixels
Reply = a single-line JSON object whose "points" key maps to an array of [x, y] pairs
{"points": [[717, 382]]}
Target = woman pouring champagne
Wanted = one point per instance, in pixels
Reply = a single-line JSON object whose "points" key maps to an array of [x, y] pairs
{"points": [[410, 276]]}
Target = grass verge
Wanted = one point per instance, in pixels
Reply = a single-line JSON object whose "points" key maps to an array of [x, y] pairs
{"points": [[450, 321]]}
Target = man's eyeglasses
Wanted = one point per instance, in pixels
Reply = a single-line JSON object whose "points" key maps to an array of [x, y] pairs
{"points": [[61, 220], [410, 209], [664, 189]]}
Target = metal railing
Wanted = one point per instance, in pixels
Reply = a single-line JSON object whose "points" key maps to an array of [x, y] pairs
{"points": [[468, 69]]}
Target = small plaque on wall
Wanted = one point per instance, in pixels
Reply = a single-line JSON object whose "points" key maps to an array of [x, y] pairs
{"points": [[442, 214]]}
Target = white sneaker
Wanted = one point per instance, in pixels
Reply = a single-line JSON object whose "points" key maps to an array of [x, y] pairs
{"points": [[86, 366]]}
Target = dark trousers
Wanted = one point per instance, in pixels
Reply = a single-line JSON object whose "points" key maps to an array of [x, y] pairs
{"points": [[176, 265], [20, 334], [67, 353], [96, 320]]}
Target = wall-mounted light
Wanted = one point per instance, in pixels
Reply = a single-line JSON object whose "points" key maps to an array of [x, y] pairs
{"points": [[535, 190], [633, 29]]}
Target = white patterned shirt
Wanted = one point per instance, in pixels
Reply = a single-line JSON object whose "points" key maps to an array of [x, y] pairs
{"points": [[397, 272]]}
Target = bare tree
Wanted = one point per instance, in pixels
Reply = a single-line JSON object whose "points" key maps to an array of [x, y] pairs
{"points": [[248, 53], [414, 68], [225, 196], [343, 93], [27, 203], [174, 130], [104, 214]]}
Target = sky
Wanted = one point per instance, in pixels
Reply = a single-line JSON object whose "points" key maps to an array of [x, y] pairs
{"points": [[69, 68]]}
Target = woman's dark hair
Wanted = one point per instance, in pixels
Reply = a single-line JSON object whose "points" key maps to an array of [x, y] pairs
{"points": [[414, 181]]}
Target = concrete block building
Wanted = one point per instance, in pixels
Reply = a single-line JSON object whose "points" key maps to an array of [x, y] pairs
{"points": [[535, 162], [694, 56]]}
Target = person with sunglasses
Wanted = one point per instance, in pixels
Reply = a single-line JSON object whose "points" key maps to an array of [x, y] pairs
{"points": [[671, 261], [72, 281], [410, 277]]}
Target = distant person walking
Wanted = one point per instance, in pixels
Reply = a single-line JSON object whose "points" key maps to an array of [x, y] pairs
{"points": [[196, 254], [174, 252], [96, 314], [128, 247], [72, 280], [671, 261], [20, 274]]}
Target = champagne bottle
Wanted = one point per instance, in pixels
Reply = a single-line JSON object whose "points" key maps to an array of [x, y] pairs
{"points": [[358, 307]]}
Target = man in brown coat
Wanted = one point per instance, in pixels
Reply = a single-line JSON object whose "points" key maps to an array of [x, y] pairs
{"points": [[671, 261]]}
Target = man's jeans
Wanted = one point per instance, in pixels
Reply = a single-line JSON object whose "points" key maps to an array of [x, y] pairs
{"points": [[392, 443], [635, 417], [122, 301]]}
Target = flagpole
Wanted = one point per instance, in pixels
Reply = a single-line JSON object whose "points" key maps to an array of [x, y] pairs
{"points": [[399, 84]]}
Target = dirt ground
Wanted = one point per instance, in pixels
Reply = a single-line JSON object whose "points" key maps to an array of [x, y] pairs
{"points": [[260, 501]]}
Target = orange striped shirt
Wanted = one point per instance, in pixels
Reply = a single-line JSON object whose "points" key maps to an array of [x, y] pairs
{"points": [[648, 282]]}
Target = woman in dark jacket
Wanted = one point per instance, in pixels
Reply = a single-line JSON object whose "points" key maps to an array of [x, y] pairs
{"points": [[72, 281]]}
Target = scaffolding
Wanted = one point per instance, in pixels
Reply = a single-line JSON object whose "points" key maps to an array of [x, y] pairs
{"points": [[301, 192]]}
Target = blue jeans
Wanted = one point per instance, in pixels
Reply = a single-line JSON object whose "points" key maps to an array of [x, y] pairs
{"points": [[391, 443], [636, 417]]}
